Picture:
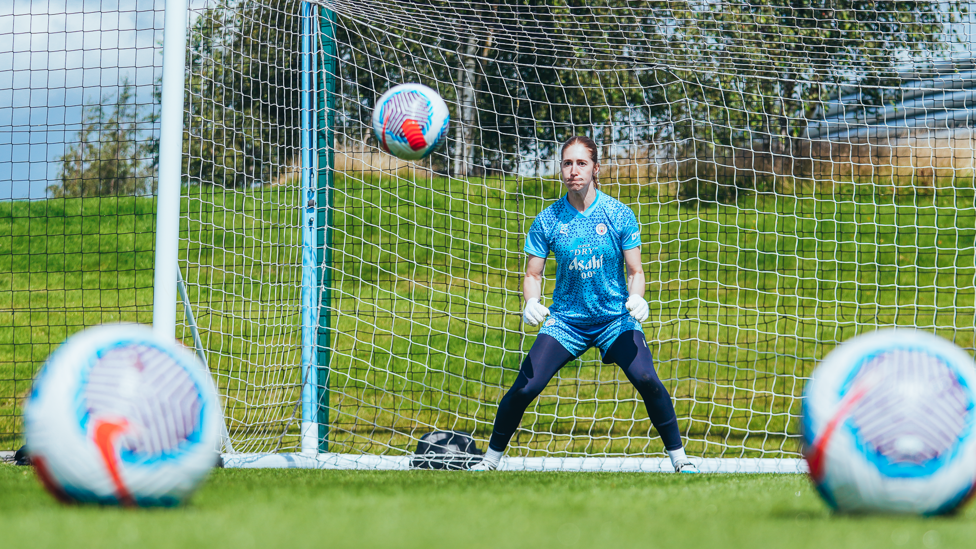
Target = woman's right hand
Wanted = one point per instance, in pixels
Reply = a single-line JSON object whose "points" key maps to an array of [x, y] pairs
{"points": [[534, 312]]}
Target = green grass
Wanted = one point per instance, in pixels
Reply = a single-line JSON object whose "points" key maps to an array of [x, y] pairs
{"points": [[64, 265], [289, 508], [426, 273]]}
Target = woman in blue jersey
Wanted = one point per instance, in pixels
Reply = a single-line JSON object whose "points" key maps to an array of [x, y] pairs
{"points": [[593, 238]]}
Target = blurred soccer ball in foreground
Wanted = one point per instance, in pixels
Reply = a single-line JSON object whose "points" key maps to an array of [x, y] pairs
{"points": [[888, 423], [118, 415], [409, 121]]}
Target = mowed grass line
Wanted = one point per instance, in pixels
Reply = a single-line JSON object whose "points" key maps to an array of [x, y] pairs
{"points": [[361, 510]]}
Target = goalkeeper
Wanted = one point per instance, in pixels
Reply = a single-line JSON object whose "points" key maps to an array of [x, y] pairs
{"points": [[593, 237]]}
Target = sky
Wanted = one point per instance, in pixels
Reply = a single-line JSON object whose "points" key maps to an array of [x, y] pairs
{"points": [[54, 56]]}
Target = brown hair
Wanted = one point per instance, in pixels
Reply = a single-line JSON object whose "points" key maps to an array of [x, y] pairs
{"points": [[590, 146]]}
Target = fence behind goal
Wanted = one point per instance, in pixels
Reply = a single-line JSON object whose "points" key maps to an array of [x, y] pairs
{"points": [[797, 183]]}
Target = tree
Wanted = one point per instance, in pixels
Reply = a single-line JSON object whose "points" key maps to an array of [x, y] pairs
{"points": [[112, 153], [780, 58], [242, 94], [689, 77]]}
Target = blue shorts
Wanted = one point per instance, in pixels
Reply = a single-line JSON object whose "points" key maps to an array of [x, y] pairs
{"points": [[578, 338]]}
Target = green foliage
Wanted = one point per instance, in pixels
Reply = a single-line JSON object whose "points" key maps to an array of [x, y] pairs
{"points": [[686, 79], [772, 62], [112, 154], [242, 93]]}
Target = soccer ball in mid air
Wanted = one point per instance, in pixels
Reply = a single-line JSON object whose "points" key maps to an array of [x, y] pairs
{"points": [[121, 416], [889, 426], [409, 121]]}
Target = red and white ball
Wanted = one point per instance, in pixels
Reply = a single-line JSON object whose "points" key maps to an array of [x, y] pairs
{"points": [[120, 416], [889, 423], [410, 120]]}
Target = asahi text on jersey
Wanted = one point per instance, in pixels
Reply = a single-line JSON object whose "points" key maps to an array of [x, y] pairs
{"points": [[583, 263]]}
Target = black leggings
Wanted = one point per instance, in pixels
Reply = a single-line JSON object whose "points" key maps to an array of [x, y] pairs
{"points": [[547, 356]]}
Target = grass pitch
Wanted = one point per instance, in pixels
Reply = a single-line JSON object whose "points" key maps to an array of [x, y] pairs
{"points": [[425, 304], [275, 508]]}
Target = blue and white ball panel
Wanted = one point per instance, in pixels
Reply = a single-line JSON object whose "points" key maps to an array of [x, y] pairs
{"points": [[402, 105], [917, 414], [160, 389], [136, 380], [909, 444], [413, 102]]}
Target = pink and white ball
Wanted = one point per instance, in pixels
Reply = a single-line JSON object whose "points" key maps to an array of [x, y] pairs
{"points": [[120, 416], [410, 120], [889, 423]]}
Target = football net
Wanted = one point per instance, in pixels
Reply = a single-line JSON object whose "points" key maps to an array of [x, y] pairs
{"points": [[800, 176]]}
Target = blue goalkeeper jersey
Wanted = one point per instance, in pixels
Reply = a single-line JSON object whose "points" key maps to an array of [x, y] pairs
{"points": [[591, 279]]}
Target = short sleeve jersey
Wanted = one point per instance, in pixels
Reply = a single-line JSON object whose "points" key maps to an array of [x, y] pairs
{"points": [[591, 283]]}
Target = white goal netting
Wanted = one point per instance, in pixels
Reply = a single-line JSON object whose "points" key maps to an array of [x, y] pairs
{"points": [[802, 172], [801, 175]]}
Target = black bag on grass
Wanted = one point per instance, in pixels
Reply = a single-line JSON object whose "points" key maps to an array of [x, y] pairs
{"points": [[446, 450]]}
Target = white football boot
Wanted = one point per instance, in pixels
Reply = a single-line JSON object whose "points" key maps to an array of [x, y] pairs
{"points": [[483, 465], [686, 467], [489, 462]]}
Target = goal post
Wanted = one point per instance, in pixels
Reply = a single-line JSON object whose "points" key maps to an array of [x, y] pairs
{"points": [[325, 177], [315, 169], [311, 246], [170, 173]]}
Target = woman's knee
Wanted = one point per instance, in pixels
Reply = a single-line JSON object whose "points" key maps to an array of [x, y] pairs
{"points": [[523, 392], [526, 393], [645, 379]]}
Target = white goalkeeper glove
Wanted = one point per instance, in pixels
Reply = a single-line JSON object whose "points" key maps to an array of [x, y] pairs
{"points": [[637, 307], [534, 312]]}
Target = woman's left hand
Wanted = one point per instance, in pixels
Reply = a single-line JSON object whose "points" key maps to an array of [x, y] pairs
{"points": [[637, 306]]}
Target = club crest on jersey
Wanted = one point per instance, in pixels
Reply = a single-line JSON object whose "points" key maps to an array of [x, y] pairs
{"points": [[601, 229], [564, 229], [550, 322]]}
